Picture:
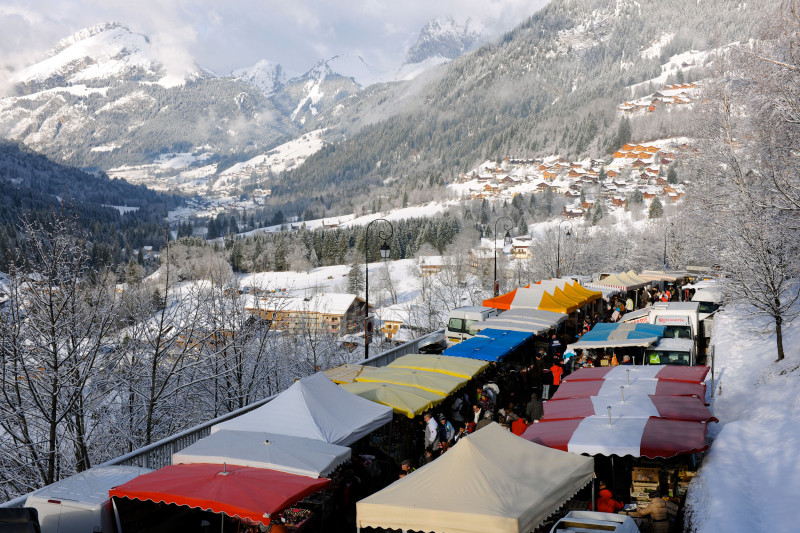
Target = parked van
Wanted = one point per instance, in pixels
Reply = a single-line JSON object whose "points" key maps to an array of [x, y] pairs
{"points": [[679, 352], [80, 503], [682, 320], [460, 321], [590, 521]]}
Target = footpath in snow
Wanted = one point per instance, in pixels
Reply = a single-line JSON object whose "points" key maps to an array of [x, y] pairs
{"points": [[750, 479]]}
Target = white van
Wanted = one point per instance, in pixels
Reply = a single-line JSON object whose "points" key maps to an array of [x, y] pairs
{"points": [[682, 321], [460, 321], [590, 521], [80, 503], [679, 352]]}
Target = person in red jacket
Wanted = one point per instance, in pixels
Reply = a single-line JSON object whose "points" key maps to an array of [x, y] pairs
{"points": [[557, 371], [606, 502]]}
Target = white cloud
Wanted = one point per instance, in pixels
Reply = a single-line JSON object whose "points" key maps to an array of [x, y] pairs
{"points": [[224, 36]]}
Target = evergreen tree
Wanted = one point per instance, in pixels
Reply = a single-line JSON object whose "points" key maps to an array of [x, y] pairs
{"points": [[672, 175], [523, 226], [597, 214], [656, 209], [355, 279], [601, 176]]}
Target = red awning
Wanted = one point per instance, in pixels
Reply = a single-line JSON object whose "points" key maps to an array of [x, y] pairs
{"points": [[674, 407], [661, 387], [689, 374], [252, 494], [638, 437]]}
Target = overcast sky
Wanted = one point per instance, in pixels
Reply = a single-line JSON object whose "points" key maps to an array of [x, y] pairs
{"points": [[223, 35]]}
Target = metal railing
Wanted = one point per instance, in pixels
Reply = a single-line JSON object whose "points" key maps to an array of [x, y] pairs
{"points": [[159, 454]]}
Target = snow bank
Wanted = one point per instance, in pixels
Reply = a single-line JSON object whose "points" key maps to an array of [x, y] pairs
{"points": [[751, 477]]}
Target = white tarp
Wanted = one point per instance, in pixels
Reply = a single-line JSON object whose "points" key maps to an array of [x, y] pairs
{"points": [[475, 487], [316, 408], [295, 455]]}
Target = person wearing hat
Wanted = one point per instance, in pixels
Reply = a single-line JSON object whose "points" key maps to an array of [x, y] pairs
{"points": [[449, 430], [656, 510], [606, 502]]}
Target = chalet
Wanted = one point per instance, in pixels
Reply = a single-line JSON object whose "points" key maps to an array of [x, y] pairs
{"points": [[431, 264], [548, 175], [521, 248], [618, 201], [574, 173], [651, 149], [673, 196], [638, 164], [619, 155], [612, 174], [587, 204], [571, 212], [542, 187], [333, 313], [572, 193], [648, 195], [480, 258], [626, 148]]}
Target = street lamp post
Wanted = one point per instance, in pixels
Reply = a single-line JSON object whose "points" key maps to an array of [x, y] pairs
{"points": [[558, 246], [506, 242], [385, 252], [666, 232]]}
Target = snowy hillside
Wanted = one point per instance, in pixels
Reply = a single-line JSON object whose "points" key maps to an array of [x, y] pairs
{"points": [[750, 478]]}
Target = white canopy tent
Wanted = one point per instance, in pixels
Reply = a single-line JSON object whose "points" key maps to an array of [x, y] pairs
{"points": [[294, 455], [316, 408], [474, 487]]}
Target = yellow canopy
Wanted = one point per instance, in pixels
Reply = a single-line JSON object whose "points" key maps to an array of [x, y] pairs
{"points": [[409, 401], [551, 303], [589, 294], [562, 296], [460, 367], [422, 379], [347, 373], [570, 291]]}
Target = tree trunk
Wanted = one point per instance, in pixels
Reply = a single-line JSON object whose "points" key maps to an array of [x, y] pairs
{"points": [[779, 335]]}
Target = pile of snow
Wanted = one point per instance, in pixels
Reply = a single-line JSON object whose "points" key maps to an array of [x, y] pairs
{"points": [[750, 478]]}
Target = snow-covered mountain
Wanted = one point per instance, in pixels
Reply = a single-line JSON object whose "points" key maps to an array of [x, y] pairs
{"points": [[105, 98], [445, 38], [327, 83], [266, 76], [99, 55]]}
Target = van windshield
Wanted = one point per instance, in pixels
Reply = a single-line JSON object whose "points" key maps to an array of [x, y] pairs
{"points": [[668, 357], [468, 327], [707, 307], [456, 324], [678, 332]]}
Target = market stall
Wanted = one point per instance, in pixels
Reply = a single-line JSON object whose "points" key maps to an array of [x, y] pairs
{"points": [[532, 297], [436, 382], [407, 401], [249, 495], [535, 321], [347, 373], [454, 366], [474, 487], [619, 335], [316, 408], [489, 345], [294, 455]]}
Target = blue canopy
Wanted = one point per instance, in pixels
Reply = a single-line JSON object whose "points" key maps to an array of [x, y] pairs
{"points": [[614, 335], [489, 345]]}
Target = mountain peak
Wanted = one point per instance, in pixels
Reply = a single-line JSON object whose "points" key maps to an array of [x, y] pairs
{"points": [[86, 33], [446, 38], [266, 76]]}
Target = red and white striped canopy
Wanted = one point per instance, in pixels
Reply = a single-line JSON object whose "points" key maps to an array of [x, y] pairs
{"points": [[610, 388], [634, 406], [649, 411], [690, 374], [640, 437]]}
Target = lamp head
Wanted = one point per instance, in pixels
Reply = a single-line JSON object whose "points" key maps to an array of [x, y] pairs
{"points": [[385, 250]]}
